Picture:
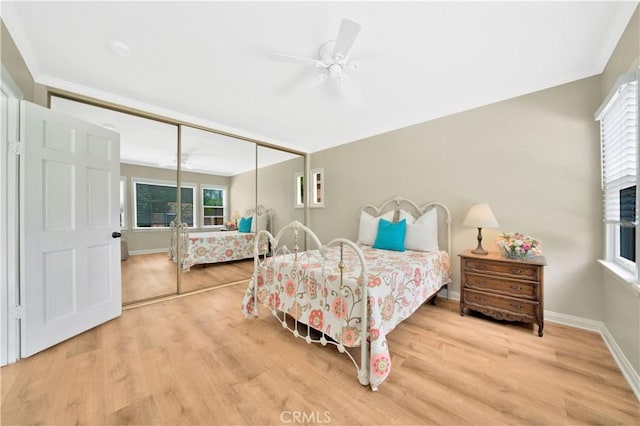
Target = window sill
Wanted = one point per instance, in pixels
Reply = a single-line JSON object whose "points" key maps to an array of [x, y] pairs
{"points": [[623, 276]]}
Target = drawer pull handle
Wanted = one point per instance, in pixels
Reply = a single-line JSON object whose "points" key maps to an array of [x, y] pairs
{"points": [[481, 266], [516, 270], [516, 306], [516, 287], [481, 282]]}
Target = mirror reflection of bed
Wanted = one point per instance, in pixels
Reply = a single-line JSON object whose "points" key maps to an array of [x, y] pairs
{"points": [[209, 259]]}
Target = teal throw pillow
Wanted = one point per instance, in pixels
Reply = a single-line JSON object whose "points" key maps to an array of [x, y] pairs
{"points": [[245, 224], [390, 235]]}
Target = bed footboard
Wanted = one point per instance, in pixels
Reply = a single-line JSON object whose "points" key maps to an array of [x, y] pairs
{"points": [[179, 238], [324, 289]]}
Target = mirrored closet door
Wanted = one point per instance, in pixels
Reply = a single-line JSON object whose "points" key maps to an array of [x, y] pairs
{"points": [[219, 190]]}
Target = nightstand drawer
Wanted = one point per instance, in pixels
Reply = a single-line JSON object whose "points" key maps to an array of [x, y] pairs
{"points": [[508, 287], [517, 270], [497, 305]]}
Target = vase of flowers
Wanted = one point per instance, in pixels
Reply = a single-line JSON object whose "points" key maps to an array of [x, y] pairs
{"points": [[519, 246]]}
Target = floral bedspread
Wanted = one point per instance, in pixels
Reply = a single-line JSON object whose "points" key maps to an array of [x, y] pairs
{"points": [[212, 247], [398, 283]]}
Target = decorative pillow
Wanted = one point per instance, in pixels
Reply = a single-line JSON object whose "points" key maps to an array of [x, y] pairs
{"points": [[407, 216], [259, 224], [245, 224], [390, 235], [369, 227], [422, 235]]}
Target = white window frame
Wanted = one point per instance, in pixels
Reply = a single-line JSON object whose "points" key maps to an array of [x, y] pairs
{"points": [[298, 192], [316, 189], [623, 268], [225, 203], [160, 182], [123, 196]]}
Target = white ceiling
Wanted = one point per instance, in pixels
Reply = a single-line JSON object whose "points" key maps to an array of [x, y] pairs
{"points": [[208, 62]]}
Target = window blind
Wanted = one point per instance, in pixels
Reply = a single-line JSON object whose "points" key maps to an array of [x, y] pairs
{"points": [[619, 136]]}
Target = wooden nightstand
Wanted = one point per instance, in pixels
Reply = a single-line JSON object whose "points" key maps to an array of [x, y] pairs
{"points": [[506, 289]]}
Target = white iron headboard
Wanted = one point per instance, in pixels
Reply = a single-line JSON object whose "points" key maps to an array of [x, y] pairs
{"points": [[397, 203]]}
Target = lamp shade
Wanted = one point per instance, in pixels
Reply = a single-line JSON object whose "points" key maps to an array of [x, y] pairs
{"points": [[235, 215], [480, 216]]}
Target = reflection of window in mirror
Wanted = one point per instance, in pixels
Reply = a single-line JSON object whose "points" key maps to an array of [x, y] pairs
{"points": [[317, 188], [213, 206], [155, 204], [299, 190], [123, 207]]}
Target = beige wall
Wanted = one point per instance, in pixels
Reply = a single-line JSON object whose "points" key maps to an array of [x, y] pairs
{"points": [[243, 191], [534, 159], [153, 239], [275, 190], [621, 306], [625, 57], [14, 63]]}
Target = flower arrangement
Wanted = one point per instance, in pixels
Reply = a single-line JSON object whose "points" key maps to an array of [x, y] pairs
{"points": [[514, 244]]}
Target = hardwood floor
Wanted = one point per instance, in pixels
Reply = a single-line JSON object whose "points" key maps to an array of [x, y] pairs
{"points": [[196, 360], [146, 276]]}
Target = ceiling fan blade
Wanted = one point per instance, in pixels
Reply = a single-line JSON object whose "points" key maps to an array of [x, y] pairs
{"points": [[318, 81], [281, 57], [346, 36], [349, 90]]}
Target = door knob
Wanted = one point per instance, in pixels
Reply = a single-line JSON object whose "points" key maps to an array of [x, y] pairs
{"points": [[116, 235]]}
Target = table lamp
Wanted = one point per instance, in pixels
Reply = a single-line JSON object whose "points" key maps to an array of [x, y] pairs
{"points": [[480, 216], [235, 215]]}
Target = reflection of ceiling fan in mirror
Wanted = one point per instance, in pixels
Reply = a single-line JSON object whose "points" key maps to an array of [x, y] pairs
{"points": [[333, 61], [202, 162]]}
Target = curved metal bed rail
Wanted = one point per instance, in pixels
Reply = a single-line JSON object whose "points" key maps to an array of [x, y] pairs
{"points": [[312, 256]]}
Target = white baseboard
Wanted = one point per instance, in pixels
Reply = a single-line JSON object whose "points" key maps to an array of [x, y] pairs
{"points": [[451, 295], [625, 366], [632, 376], [573, 321], [151, 251]]}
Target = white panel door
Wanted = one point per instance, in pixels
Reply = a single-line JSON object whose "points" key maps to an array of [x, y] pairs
{"points": [[70, 262]]}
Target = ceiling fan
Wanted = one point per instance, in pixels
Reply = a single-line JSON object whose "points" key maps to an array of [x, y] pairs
{"points": [[333, 59], [189, 164]]}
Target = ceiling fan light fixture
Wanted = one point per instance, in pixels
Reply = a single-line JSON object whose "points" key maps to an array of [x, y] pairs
{"points": [[118, 48], [335, 70]]}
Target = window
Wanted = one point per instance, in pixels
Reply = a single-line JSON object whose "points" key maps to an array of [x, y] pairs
{"points": [[155, 204], [627, 216], [123, 207], [317, 188], [618, 118], [213, 206], [299, 190]]}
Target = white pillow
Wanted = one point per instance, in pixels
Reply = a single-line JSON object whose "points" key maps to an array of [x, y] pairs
{"points": [[260, 224], [369, 227], [408, 217], [422, 235]]}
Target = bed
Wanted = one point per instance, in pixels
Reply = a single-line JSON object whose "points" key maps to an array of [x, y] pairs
{"points": [[352, 295], [198, 248]]}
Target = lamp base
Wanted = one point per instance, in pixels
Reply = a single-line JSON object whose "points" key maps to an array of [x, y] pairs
{"points": [[479, 250]]}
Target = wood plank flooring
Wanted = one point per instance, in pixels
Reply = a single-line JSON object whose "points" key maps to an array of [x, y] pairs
{"points": [[196, 360], [147, 276]]}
